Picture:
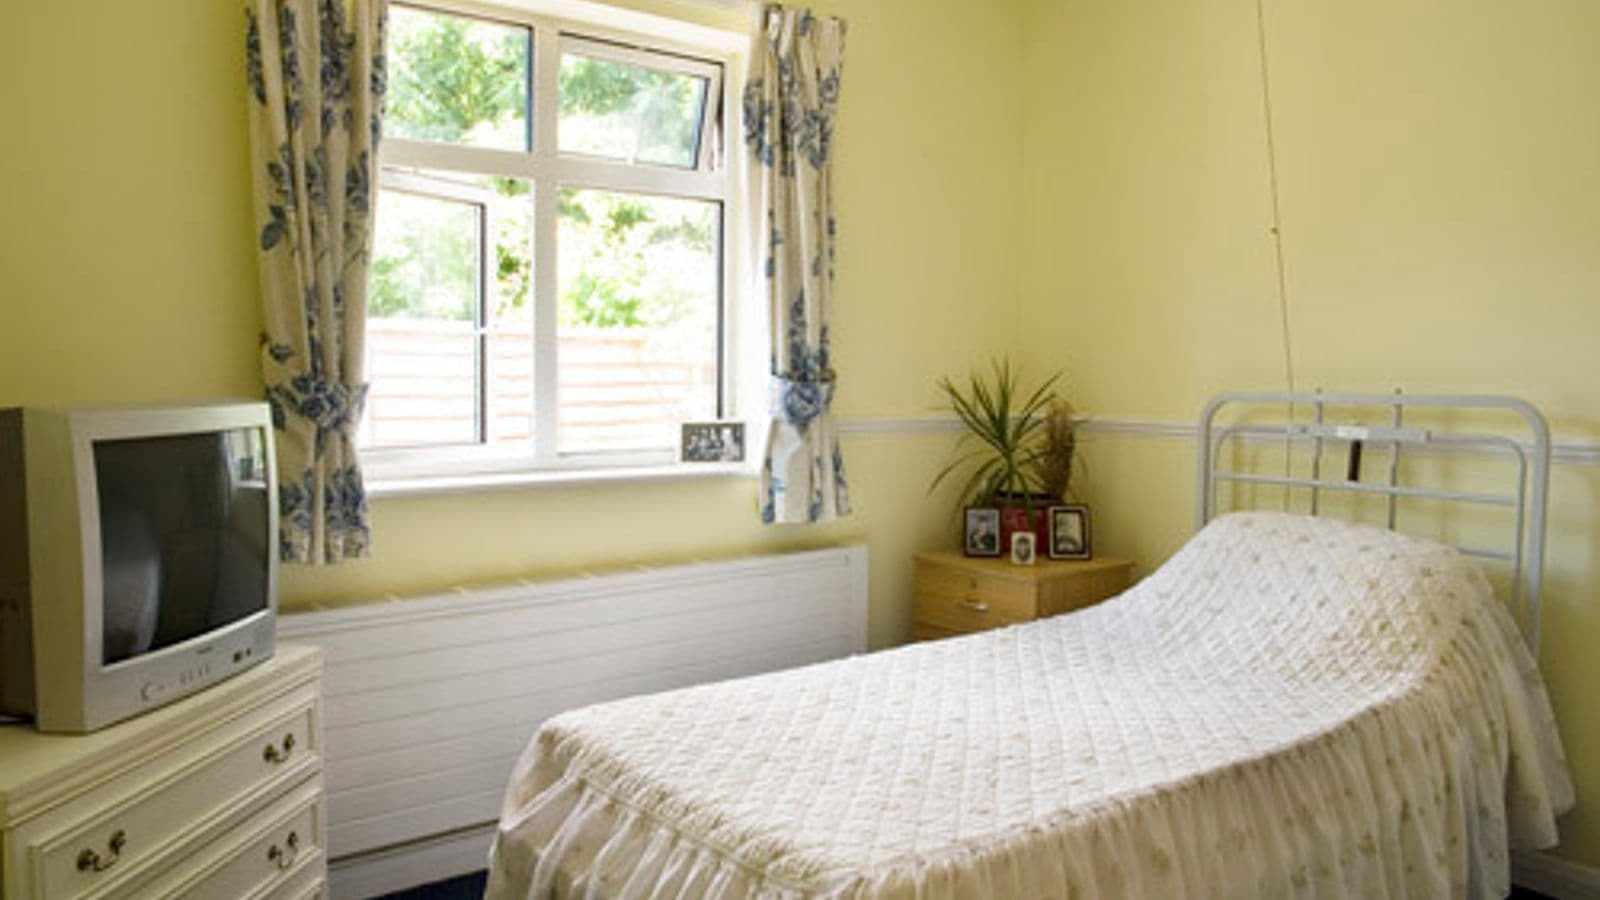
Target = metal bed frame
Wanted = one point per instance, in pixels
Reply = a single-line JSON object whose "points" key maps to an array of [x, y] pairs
{"points": [[1532, 456]]}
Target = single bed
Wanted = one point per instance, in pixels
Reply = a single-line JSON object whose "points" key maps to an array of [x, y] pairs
{"points": [[1291, 706]]}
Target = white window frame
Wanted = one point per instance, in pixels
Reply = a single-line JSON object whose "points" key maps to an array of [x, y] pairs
{"points": [[596, 30]]}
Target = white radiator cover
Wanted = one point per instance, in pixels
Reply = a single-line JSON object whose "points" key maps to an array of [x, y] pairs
{"points": [[429, 701]]}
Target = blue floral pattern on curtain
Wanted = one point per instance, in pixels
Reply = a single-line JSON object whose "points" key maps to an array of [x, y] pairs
{"points": [[790, 104], [316, 77]]}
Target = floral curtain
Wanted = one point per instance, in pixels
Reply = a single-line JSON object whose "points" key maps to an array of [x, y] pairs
{"points": [[790, 104], [316, 74]]}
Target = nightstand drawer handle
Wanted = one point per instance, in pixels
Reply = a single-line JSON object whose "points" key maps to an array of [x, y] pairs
{"points": [[90, 861], [275, 756], [976, 605], [282, 858]]}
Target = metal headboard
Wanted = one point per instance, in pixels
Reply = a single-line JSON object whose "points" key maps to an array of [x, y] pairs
{"points": [[1532, 456]]}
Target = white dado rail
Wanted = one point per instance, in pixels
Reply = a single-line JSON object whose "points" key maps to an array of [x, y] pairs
{"points": [[1563, 451]]}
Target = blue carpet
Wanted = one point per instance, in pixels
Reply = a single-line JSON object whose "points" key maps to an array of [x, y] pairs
{"points": [[464, 887]]}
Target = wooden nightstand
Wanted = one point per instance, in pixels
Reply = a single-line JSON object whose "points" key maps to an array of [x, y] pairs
{"points": [[961, 595]]}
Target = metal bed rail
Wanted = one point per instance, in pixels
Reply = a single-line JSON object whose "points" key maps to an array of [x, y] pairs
{"points": [[1527, 496]]}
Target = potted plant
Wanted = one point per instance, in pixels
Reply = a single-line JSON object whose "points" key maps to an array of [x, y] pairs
{"points": [[1060, 449], [1017, 451]]}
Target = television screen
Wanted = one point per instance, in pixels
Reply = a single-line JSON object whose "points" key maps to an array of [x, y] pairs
{"points": [[183, 536]]}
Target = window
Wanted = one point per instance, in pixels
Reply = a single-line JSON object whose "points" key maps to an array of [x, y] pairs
{"points": [[550, 255]]}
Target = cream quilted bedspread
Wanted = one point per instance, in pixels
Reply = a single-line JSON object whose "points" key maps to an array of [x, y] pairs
{"points": [[1288, 708]]}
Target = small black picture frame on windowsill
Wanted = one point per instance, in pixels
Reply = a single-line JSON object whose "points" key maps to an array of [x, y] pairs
{"points": [[1069, 533], [712, 442], [982, 534]]}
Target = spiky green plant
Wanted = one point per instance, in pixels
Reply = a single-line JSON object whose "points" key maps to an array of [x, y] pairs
{"points": [[1004, 443], [1060, 449]]}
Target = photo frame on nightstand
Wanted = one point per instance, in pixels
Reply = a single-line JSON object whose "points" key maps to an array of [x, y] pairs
{"points": [[982, 534], [1069, 533], [1023, 549]]}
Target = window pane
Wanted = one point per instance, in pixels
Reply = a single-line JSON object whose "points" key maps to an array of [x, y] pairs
{"points": [[425, 304], [421, 322], [618, 110], [457, 80], [639, 290]]}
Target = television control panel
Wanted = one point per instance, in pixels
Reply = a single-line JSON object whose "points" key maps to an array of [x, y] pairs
{"points": [[204, 671]]}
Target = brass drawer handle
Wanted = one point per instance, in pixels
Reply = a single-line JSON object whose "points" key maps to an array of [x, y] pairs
{"points": [[975, 605], [282, 858], [90, 861], [275, 756]]}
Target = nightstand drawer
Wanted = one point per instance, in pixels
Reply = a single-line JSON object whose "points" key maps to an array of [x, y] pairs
{"points": [[1013, 594], [108, 845], [972, 611], [922, 631], [961, 595], [1068, 594]]}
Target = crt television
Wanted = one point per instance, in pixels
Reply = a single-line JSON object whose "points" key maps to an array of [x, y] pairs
{"points": [[138, 557]]}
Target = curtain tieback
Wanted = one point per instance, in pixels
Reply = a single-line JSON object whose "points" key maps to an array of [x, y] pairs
{"points": [[330, 406], [796, 401]]}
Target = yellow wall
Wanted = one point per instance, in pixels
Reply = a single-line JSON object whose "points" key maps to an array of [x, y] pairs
{"points": [[1439, 166], [126, 275], [126, 271]]}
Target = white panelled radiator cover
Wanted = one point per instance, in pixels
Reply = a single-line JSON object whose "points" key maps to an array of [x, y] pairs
{"points": [[430, 701]]}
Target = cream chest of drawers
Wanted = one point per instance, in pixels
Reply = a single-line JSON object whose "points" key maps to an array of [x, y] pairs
{"points": [[216, 796]]}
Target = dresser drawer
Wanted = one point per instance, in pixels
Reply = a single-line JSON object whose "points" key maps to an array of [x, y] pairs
{"points": [[266, 855], [302, 887], [94, 854]]}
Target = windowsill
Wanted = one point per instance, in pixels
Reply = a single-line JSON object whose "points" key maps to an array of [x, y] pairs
{"points": [[417, 486]]}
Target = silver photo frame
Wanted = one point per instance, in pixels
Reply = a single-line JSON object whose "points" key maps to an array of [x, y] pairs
{"points": [[712, 442], [1069, 533]]}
